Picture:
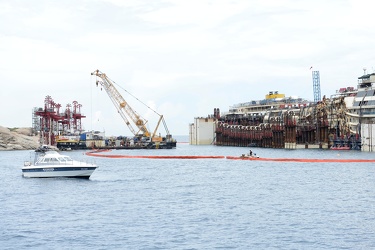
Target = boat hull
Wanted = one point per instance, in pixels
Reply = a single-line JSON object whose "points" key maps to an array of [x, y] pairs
{"points": [[49, 172], [340, 148]]}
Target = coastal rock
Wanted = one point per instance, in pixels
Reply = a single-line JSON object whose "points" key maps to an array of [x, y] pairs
{"points": [[18, 139]]}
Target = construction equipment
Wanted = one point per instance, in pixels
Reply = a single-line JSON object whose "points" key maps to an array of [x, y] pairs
{"points": [[127, 113]]}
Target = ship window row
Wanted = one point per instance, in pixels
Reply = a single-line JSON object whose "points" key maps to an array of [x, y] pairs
{"points": [[364, 103], [366, 93], [365, 112], [368, 112]]}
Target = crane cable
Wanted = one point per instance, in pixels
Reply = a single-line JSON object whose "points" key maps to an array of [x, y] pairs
{"points": [[165, 125], [135, 97]]}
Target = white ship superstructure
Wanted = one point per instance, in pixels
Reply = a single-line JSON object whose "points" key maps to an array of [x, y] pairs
{"points": [[360, 103], [264, 109]]}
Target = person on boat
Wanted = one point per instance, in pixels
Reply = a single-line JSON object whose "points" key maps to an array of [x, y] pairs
{"points": [[251, 153]]}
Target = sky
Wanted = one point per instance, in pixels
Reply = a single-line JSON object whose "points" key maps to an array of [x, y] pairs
{"points": [[180, 58]]}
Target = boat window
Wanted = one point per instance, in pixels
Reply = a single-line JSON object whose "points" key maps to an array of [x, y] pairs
{"points": [[54, 160], [361, 93], [65, 159]]}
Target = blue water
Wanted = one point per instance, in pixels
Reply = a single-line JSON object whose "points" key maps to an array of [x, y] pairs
{"points": [[192, 204]]}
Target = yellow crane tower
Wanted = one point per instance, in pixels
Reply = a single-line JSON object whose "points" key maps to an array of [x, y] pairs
{"points": [[126, 111]]}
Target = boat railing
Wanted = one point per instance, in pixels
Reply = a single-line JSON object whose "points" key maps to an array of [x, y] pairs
{"points": [[70, 162], [57, 163], [79, 162], [67, 162], [84, 162]]}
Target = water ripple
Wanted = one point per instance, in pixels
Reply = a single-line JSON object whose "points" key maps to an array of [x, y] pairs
{"points": [[193, 204]]}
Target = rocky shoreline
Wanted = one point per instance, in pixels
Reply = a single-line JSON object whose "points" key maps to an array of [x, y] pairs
{"points": [[18, 139]]}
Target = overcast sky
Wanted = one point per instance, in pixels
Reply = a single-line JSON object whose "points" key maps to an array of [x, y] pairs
{"points": [[182, 58]]}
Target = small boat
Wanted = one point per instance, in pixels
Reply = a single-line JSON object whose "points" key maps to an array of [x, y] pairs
{"points": [[49, 163], [339, 147], [249, 156]]}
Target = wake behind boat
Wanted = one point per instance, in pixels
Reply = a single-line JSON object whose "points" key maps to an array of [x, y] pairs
{"points": [[49, 163]]}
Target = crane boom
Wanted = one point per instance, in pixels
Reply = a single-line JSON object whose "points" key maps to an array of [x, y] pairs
{"points": [[121, 105]]}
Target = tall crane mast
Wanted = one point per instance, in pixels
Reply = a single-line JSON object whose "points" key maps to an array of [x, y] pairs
{"points": [[316, 86], [125, 110]]}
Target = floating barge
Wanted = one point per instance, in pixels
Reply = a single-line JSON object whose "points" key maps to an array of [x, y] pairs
{"points": [[63, 129], [97, 140]]}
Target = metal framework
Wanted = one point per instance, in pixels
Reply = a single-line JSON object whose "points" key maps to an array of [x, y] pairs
{"points": [[316, 86], [50, 122]]}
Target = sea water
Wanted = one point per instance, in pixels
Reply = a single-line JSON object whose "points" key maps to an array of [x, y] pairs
{"points": [[192, 203]]}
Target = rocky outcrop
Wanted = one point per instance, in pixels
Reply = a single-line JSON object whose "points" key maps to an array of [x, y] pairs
{"points": [[18, 139]]}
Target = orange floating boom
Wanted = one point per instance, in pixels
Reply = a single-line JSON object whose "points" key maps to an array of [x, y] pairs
{"points": [[97, 154], [299, 159]]}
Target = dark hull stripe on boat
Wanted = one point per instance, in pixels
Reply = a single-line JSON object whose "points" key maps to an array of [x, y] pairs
{"points": [[47, 169]]}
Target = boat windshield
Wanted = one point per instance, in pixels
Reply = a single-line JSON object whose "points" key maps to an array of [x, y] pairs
{"points": [[64, 158], [54, 159]]}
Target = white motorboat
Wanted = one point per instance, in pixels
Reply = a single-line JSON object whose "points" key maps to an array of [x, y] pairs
{"points": [[249, 156], [49, 163]]}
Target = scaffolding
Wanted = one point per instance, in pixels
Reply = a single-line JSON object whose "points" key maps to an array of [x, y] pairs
{"points": [[49, 122]]}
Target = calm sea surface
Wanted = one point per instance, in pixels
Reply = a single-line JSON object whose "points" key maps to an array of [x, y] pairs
{"points": [[192, 204]]}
